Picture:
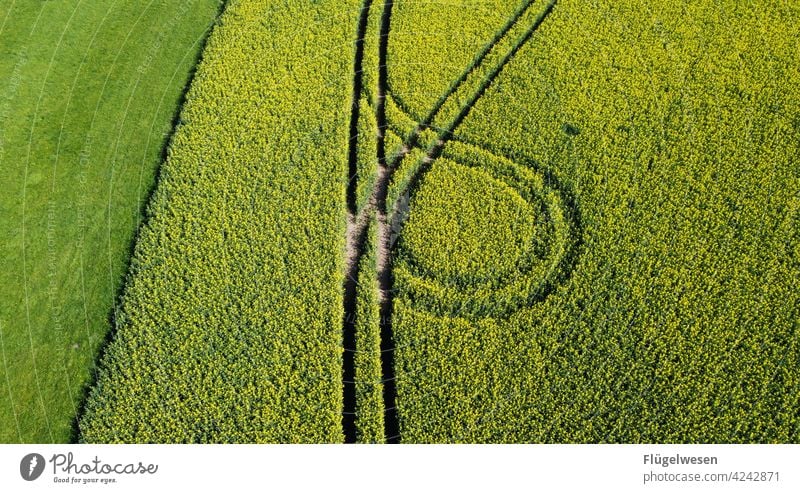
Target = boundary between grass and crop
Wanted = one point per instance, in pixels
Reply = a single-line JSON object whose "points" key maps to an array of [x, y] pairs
{"points": [[175, 122]]}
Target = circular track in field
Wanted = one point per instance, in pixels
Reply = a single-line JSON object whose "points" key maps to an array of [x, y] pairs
{"points": [[479, 262]]}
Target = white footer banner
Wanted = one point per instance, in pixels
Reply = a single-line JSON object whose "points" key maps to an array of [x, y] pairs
{"points": [[402, 468]]}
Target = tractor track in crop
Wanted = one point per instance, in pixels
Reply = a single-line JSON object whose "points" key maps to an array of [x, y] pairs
{"points": [[357, 226], [435, 150], [354, 242], [383, 253], [377, 207], [411, 141]]}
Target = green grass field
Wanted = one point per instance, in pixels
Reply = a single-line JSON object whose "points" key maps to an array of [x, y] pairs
{"points": [[401, 221]]}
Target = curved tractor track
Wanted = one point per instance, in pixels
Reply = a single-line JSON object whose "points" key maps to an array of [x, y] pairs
{"points": [[475, 79]]}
